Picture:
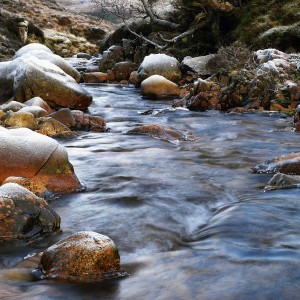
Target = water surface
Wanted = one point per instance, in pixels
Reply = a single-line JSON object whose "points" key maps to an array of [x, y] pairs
{"points": [[189, 218]]}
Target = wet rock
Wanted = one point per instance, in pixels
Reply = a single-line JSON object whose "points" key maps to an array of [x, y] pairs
{"points": [[159, 87], [20, 119], [86, 122], [95, 77], [283, 181], [37, 101], [164, 133], [27, 154], [23, 215], [287, 164], [64, 116], [51, 127], [160, 64], [37, 111], [84, 256]]}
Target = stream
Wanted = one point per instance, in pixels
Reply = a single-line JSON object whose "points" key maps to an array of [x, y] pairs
{"points": [[189, 218]]}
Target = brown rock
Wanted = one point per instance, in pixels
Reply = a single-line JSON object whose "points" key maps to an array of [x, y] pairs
{"points": [[23, 215], [27, 154], [164, 133], [86, 122], [159, 87], [84, 256], [37, 111], [64, 115], [95, 77], [122, 70]]}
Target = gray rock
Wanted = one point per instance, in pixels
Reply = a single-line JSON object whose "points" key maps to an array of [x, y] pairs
{"points": [[159, 64], [197, 64]]}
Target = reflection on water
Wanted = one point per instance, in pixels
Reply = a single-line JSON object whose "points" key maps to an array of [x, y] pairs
{"points": [[189, 219]]}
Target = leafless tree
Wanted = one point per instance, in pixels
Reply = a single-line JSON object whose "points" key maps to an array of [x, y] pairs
{"points": [[127, 9]]}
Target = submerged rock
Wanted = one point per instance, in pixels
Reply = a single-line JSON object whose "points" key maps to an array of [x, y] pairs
{"points": [[283, 181], [84, 256], [23, 215], [287, 164], [160, 64], [159, 87], [164, 133]]}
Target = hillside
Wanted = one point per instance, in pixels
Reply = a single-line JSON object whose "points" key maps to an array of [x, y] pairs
{"points": [[65, 32]]}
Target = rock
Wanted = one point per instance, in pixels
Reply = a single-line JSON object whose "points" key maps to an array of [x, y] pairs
{"points": [[164, 133], [84, 55], [110, 57], [84, 256], [160, 64], [27, 154], [37, 101], [31, 47], [282, 37], [20, 119], [133, 78], [197, 64], [56, 60], [51, 127], [283, 181], [287, 164], [12, 106], [64, 116], [95, 77], [23, 215], [37, 111], [159, 87], [86, 122], [35, 77], [122, 70]]}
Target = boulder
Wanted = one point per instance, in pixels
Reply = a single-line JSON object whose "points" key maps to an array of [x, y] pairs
{"points": [[27, 154], [160, 64], [110, 57], [23, 215], [84, 256], [56, 60], [165, 133], [33, 77], [31, 47], [159, 87], [287, 164], [198, 65], [20, 119]]}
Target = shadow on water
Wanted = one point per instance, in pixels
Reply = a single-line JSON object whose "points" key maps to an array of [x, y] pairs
{"points": [[190, 219]]}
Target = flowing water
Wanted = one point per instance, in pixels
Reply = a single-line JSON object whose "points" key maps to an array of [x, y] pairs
{"points": [[189, 218]]}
